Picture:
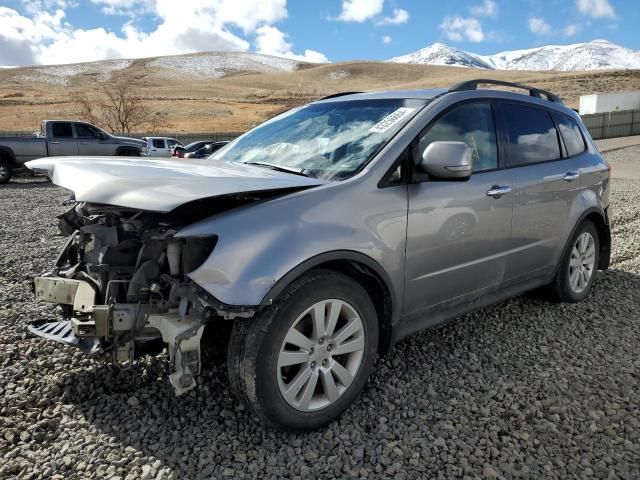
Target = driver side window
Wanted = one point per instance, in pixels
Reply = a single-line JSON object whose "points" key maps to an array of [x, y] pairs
{"points": [[471, 123]]}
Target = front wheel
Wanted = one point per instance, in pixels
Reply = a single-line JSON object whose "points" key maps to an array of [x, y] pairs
{"points": [[5, 171], [304, 359]]}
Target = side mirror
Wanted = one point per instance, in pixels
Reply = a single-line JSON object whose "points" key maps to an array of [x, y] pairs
{"points": [[447, 160], [103, 136]]}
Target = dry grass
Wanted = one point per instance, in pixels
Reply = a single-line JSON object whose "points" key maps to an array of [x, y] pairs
{"points": [[238, 101]]}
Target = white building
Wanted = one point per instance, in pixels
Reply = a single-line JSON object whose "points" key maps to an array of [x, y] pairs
{"points": [[609, 102]]}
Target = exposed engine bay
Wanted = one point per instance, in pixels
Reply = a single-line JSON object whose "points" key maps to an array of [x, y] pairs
{"points": [[122, 288]]}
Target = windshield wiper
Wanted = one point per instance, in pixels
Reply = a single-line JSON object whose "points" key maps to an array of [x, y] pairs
{"points": [[280, 168]]}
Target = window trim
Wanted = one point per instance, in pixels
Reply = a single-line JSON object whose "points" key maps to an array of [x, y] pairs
{"points": [[499, 149], [584, 140], [503, 128]]}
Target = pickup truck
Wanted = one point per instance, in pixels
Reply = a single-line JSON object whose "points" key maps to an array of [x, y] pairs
{"points": [[63, 138]]}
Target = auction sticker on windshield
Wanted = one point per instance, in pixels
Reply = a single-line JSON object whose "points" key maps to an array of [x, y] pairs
{"points": [[390, 120]]}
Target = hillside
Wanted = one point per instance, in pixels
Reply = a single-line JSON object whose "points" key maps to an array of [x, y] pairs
{"points": [[217, 91]]}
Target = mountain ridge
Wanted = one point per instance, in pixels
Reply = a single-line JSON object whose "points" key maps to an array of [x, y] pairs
{"points": [[597, 54]]}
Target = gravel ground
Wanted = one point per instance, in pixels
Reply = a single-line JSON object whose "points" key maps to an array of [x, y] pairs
{"points": [[524, 389]]}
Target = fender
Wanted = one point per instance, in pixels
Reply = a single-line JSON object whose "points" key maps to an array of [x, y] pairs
{"points": [[263, 246]]}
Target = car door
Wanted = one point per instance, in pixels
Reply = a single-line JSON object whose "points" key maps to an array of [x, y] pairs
{"points": [[158, 147], [171, 143], [62, 141], [545, 185], [92, 141], [458, 232]]}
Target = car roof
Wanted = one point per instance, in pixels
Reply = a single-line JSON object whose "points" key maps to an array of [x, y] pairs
{"points": [[425, 94], [465, 86]]}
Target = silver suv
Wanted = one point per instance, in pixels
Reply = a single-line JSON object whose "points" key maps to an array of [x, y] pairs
{"points": [[325, 235]]}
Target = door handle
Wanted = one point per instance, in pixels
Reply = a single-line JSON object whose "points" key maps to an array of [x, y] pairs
{"points": [[498, 190], [84, 143], [571, 176], [55, 143]]}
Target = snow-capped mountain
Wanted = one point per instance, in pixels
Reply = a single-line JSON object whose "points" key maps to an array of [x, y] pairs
{"points": [[594, 55], [441, 54]]}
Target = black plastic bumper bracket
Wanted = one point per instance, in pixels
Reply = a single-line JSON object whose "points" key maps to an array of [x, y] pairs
{"points": [[61, 331]]}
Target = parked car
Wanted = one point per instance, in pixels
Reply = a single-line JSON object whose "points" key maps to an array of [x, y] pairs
{"points": [[180, 150], [62, 138], [159, 146], [323, 246], [205, 150]]}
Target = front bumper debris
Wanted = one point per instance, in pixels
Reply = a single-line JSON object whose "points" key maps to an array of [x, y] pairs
{"points": [[119, 328]]}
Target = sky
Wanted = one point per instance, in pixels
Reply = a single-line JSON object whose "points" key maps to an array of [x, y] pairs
{"points": [[66, 31]]}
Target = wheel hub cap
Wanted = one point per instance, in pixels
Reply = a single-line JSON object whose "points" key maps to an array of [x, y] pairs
{"points": [[582, 262], [320, 355]]}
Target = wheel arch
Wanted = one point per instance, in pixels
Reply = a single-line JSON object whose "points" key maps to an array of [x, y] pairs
{"points": [[601, 221], [7, 154], [361, 268], [126, 149]]}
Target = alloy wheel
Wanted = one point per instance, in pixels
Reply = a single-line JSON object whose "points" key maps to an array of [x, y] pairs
{"points": [[320, 355], [582, 262]]}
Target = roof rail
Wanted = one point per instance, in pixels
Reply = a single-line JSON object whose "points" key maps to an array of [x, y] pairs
{"points": [[339, 94], [533, 91]]}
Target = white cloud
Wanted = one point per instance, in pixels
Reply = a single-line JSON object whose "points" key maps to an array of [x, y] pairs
{"points": [[458, 29], [271, 41], [489, 8], [539, 26], [571, 30], [398, 17], [386, 39], [596, 8], [359, 10], [183, 27]]}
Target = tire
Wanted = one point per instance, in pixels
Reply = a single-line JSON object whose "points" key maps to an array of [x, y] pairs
{"points": [[564, 287], [257, 350], [5, 171]]}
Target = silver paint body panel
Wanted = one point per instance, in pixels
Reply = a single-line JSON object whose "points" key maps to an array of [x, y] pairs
{"points": [[438, 243]]}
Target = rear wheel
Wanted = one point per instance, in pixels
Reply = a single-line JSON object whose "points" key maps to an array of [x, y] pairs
{"points": [[578, 266], [304, 360], [5, 171]]}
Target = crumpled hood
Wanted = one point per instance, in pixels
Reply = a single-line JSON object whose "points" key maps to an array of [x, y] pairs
{"points": [[160, 185]]}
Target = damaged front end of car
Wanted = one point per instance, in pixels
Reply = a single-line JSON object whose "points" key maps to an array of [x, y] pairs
{"points": [[122, 288]]}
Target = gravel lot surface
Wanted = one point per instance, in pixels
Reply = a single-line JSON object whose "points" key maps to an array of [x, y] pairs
{"points": [[524, 389]]}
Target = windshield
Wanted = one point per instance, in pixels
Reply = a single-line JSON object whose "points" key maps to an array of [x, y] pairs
{"points": [[329, 140]]}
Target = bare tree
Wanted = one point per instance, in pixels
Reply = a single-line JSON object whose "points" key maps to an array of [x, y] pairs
{"points": [[119, 107]]}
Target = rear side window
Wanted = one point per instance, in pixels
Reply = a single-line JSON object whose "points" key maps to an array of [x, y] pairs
{"points": [[158, 143], [571, 135], [471, 123], [531, 135], [86, 131], [62, 130]]}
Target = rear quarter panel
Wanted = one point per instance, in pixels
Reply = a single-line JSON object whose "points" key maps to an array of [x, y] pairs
{"points": [[24, 149]]}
